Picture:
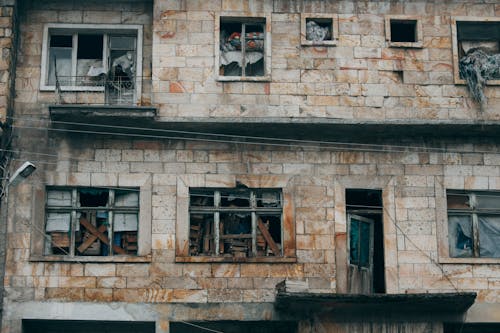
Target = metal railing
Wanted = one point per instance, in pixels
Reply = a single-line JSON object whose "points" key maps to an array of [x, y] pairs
{"points": [[102, 90]]}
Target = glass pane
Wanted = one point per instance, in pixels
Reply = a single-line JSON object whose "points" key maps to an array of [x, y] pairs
{"points": [[235, 198], [61, 41], [489, 236], [201, 234], [59, 198], [354, 242], [364, 251], [128, 198], [58, 222], [488, 201], [125, 222], [460, 236], [60, 59], [122, 43]]}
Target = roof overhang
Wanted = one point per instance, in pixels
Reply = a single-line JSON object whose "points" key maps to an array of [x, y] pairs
{"points": [[443, 307]]}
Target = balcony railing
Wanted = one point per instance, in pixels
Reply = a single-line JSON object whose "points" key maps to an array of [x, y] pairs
{"points": [[103, 91]]}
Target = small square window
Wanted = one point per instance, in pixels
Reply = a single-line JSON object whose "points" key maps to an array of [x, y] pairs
{"points": [[318, 30], [403, 31], [243, 53]]}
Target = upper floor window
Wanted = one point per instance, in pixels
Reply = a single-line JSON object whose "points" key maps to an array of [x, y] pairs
{"points": [[474, 224], [403, 31], [91, 221], [243, 49], [92, 58], [476, 53], [235, 222], [318, 29]]}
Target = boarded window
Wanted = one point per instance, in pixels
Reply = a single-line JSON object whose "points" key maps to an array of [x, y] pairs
{"points": [[91, 221], [235, 223]]}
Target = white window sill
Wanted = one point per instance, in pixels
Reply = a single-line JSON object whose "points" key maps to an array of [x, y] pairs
{"points": [[409, 45]]}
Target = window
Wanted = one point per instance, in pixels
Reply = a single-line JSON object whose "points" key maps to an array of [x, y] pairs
{"points": [[243, 51], [234, 326], [476, 53], [403, 31], [366, 241], [82, 221], [92, 58], [473, 224], [235, 223], [318, 29]]}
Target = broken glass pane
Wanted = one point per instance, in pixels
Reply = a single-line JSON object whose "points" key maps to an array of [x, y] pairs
{"points": [[127, 198], [460, 236], [489, 236], [364, 245]]}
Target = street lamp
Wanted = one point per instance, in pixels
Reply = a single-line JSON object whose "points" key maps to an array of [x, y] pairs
{"points": [[21, 173]]}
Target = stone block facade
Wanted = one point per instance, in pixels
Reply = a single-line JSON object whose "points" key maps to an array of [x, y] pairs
{"points": [[356, 80]]}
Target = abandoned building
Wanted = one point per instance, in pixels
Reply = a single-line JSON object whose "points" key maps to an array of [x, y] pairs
{"points": [[250, 166]]}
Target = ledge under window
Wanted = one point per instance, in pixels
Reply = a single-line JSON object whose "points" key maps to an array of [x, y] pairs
{"points": [[93, 259], [207, 259], [318, 29]]}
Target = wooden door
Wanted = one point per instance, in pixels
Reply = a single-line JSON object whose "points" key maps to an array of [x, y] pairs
{"points": [[360, 254]]}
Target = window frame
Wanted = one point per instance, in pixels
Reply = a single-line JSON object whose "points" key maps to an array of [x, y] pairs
{"points": [[454, 40], [402, 18], [474, 213], [304, 17], [253, 209], [144, 234], [223, 182], [75, 29], [74, 209], [245, 19]]}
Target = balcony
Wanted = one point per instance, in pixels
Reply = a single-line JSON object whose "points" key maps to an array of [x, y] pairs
{"points": [[100, 100]]}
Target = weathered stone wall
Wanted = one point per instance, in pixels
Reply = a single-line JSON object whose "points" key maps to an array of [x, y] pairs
{"points": [[359, 78], [7, 62]]}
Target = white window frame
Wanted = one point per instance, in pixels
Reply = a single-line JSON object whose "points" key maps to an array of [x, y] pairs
{"points": [[75, 29], [304, 17], [402, 18], [454, 40], [267, 46]]}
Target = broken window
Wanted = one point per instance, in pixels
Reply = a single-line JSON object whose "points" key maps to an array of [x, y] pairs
{"points": [[91, 221], [318, 29], [242, 47], [366, 242], [477, 53], [474, 224], [235, 223], [234, 327], [403, 31], [90, 59]]}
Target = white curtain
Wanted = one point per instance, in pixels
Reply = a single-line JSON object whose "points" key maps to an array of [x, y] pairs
{"points": [[489, 236], [460, 236]]}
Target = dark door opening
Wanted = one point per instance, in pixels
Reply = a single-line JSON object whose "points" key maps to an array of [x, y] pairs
{"points": [[365, 241]]}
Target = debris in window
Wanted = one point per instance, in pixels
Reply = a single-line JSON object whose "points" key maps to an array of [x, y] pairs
{"points": [[477, 67], [317, 31], [235, 223]]}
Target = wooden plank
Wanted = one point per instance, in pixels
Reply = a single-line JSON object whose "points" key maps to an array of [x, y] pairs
{"points": [[101, 236], [268, 237], [85, 245]]}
